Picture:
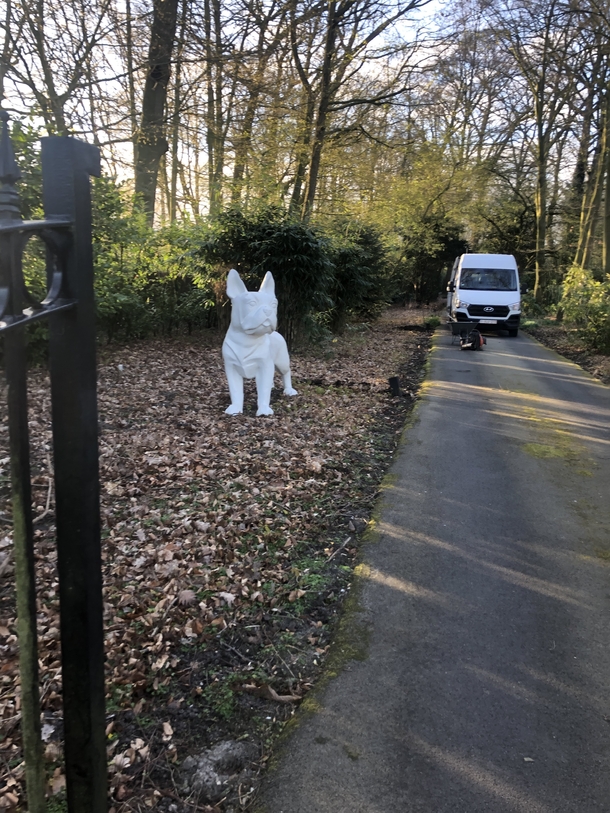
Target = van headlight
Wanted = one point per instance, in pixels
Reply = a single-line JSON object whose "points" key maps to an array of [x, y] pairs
{"points": [[515, 307], [461, 304]]}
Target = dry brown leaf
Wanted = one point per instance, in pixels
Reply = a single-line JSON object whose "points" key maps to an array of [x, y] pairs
{"points": [[121, 792], [52, 752], [294, 595], [58, 783], [121, 761], [186, 598], [228, 598]]}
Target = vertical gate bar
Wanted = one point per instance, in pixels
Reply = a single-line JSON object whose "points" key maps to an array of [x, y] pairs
{"points": [[15, 364], [25, 583], [67, 165]]}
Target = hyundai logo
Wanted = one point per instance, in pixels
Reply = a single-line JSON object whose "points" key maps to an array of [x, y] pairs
{"points": [[488, 310]]}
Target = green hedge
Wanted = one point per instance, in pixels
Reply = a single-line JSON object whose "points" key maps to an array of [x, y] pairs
{"points": [[174, 278], [586, 303], [161, 281]]}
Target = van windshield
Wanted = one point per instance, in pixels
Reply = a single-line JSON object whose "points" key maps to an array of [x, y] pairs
{"points": [[488, 279]]}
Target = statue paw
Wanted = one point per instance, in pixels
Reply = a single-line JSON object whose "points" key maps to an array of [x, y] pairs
{"points": [[233, 410], [264, 411], [290, 391]]}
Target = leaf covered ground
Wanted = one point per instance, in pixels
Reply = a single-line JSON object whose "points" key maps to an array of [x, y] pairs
{"points": [[567, 341], [228, 545]]}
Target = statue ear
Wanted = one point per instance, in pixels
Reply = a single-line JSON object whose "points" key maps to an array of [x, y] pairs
{"points": [[268, 284], [235, 285]]}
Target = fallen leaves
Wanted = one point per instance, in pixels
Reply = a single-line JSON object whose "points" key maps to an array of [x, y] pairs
{"points": [[227, 598], [205, 515], [566, 340], [295, 595], [58, 782]]}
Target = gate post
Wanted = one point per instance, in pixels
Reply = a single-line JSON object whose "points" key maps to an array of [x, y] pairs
{"points": [[66, 166]]}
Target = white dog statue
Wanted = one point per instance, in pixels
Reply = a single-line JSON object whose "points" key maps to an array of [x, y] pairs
{"points": [[252, 347]]}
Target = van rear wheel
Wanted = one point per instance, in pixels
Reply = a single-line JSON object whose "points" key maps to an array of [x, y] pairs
{"points": [[513, 332]]}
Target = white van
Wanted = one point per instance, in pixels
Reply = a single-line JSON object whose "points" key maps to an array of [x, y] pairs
{"points": [[484, 288]]}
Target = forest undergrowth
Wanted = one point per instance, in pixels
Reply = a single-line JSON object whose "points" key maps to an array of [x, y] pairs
{"points": [[566, 340], [228, 547]]}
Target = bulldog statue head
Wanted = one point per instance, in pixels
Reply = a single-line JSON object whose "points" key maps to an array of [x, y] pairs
{"points": [[252, 347]]}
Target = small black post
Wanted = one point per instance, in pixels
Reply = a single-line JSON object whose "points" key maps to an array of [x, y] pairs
{"points": [[67, 166], [394, 382]]}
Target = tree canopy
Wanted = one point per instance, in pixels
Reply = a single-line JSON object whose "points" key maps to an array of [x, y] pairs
{"points": [[479, 123]]}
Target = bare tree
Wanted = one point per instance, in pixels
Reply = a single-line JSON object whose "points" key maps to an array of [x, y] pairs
{"points": [[350, 27], [542, 37], [53, 46]]}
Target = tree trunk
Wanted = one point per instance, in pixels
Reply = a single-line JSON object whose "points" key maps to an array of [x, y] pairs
{"points": [[176, 117], [5, 56], [592, 199], [540, 201], [606, 241], [219, 155], [323, 106], [210, 108], [540, 198], [133, 116], [303, 151], [151, 141], [590, 215], [242, 147]]}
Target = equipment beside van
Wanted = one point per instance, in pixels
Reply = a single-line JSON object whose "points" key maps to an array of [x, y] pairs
{"points": [[473, 341], [467, 335], [484, 290]]}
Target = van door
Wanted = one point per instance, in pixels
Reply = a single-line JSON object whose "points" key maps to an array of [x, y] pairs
{"points": [[451, 284]]}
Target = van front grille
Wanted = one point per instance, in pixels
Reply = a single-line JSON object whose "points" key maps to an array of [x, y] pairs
{"points": [[488, 311]]}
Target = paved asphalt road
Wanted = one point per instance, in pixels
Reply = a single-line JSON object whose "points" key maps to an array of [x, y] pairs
{"points": [[487, 597]]}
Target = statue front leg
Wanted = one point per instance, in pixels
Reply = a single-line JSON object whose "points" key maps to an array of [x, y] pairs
{"points": [[236, 389], [288, 388], [264, 385]]}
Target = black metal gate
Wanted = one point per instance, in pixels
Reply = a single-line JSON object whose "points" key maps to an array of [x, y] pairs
{"points": [[69, 308]]}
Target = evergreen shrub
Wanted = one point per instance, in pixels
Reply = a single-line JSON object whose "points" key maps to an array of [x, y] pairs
{"points": [[360, 286], [146, 281], [159, 281], [428, 246], [268, 240], [586, 303]]}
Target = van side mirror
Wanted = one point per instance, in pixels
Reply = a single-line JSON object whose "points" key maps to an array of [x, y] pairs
{"points": [[451, 286], [524, 289]]}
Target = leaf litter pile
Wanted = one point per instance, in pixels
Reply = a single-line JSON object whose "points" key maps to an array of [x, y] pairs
{"points": [[227, 547], [567, 341]]}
